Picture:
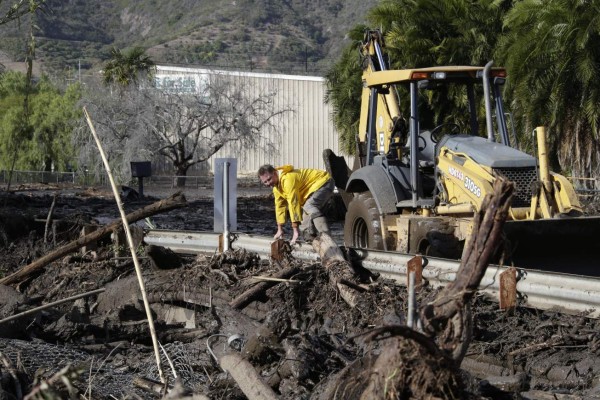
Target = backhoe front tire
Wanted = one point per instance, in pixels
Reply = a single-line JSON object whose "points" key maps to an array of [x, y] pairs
{"points": [[362, 227]]}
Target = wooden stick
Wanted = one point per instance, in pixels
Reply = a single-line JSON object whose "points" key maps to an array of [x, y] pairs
{"points": [[246, 377], [49, 218], [147, 384], [54, 303], [251, 294], [267, 278], [448, 317], [138, 269], [483, 243], [14, 375], [177, 200]]}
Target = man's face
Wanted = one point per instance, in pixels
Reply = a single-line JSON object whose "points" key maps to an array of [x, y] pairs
{"points": [[269, 179]]}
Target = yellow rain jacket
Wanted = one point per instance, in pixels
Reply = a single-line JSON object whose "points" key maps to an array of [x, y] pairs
{"points": [[294, 188]]}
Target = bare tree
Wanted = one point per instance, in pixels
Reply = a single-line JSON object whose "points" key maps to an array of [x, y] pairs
{"points": [[190, 128], [117, 115], [185, 128]]}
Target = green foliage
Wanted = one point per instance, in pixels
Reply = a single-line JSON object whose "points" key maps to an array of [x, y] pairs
{"points": [[88, 30], [14, 127], [125, 68], [552, 56], [42, 136], [20, 8], [344, 88], [422, 33], [419, 33]]}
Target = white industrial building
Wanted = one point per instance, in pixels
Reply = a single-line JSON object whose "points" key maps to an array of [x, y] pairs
{"points": [[301, 135]]}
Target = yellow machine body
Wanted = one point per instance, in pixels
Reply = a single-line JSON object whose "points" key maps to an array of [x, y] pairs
{"points": [[418, 187]]}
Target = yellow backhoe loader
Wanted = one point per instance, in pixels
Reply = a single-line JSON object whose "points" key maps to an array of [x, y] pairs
{"points": [[416, 187]]}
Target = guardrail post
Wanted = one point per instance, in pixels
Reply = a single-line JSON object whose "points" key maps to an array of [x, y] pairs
{"points": [[226, 206], [225, 194], [411, 300]]}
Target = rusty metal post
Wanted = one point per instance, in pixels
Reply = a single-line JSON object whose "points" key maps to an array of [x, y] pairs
{"points": [[278, 249], [415, 265]]}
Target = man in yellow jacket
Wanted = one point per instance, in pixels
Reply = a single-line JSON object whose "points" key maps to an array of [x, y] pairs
{"points": [[301, 192]]}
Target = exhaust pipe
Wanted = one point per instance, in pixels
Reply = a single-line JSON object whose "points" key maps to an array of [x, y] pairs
{"points": [[488, 104]]}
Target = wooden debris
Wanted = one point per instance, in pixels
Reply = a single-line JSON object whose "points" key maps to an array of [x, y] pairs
{"points": [[246, 377], [49, 218], [256, 291], [49, 305], [426, 365], [448, 316], [340, 271], [177, 200]]}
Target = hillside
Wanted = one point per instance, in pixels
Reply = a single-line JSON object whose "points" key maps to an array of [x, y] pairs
{"points": [[292, 36]]}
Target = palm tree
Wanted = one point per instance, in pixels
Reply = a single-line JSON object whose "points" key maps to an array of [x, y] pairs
{"points": [[343, 92], [423, 33], [125, 68], [553, 59]]}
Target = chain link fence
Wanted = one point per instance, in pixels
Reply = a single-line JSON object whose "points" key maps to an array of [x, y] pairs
{"points": [[193, 186]]}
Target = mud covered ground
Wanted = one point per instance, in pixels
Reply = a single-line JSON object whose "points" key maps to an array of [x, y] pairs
{"points": [[298, 335]]}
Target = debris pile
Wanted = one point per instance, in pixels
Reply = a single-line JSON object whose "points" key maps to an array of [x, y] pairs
{"points": [[231, 325]]}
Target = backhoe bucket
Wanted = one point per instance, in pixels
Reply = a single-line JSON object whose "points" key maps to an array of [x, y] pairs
{"points": [[569, 245]]}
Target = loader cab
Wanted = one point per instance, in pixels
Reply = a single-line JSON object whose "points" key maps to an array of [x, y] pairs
{"points": [[429, 156], [432, 103], [406, 116]]}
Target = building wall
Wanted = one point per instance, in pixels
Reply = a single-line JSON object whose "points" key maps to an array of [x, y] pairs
{"points": [[301, 134]]}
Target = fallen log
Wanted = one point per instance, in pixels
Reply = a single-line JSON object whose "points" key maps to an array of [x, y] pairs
{"points": [[176, 200], [341, 273]]}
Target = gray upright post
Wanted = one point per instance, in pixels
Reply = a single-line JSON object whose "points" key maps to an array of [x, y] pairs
{"points": [[225, 197], [225, 206]]}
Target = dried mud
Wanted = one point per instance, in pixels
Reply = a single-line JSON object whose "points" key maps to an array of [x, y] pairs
{"points": [[299, 335]]}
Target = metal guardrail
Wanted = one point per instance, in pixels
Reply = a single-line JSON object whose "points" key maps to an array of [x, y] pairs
{"points": [[542, 290]]}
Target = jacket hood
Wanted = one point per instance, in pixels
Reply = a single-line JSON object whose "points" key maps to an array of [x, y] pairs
{"points": [[286, 168]]}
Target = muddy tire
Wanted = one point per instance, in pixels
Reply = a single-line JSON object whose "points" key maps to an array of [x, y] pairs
{"points": [[362, 227]]}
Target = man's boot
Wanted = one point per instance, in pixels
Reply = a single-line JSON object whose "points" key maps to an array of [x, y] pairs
{"points": [[321, 224], [308, 235], [307, 230]]}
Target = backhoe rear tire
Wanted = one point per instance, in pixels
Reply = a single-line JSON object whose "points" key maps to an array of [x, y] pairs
{"points": [[362, 227]]}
